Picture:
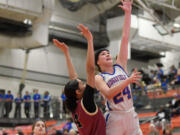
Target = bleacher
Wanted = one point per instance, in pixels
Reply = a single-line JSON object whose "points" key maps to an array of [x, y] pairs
{"points": [[150, 105]]}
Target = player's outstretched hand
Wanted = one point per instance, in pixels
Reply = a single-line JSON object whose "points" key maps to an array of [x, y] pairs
{"points": [[135, 77], [61, 45], [85, 32], [126, 5]]}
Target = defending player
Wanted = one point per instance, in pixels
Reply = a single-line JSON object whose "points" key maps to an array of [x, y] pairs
{"points": [[79, 97]]}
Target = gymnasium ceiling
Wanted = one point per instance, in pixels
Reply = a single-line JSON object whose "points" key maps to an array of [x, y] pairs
{"points": [[166, 12]]}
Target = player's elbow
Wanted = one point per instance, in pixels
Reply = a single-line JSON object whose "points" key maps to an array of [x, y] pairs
{"points": [[108, 95]]}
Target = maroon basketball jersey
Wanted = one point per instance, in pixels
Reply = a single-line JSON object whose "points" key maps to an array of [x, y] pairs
{"points": [[89, 123]]}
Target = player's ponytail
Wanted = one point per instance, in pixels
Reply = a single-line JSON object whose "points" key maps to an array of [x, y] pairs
{"points": [[70, 93]]}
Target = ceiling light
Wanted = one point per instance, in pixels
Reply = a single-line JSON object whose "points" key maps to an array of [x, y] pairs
{"points": [[28, 21], [176, 25], [160, 29], [163, 53], [74, 0]]}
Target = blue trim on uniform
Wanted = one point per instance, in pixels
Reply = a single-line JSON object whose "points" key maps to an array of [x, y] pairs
{"points": [[121, 68], [102, 76], [108, 106], [107, 117]]}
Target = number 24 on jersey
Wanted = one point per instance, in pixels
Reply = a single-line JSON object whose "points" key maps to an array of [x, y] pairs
{"points": [[119, 97]]}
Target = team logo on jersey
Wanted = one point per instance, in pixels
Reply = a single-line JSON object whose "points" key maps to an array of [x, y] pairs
{"points": [[115, 79]]}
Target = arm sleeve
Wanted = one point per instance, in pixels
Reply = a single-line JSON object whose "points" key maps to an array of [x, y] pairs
{"points": [[88, 99]]}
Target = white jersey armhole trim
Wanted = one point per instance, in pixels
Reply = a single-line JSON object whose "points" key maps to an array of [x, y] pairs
{"points": [[117, 65], [91, 114]]}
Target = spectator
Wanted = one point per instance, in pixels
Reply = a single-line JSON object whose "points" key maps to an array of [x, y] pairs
{"points": [[52, 131], [167, 130], [55, 132], [172, 73], [175, 104], [152, 128], [163, 117], [8, 103], [19, 132], [65, 132], [164, 84], [68, 124], [63, 97], [4, 132], [72, 132], [27, 104], [160, 73], [46, 101], [1, 105], [36, 99], [18, 101], [153, 75], [39, 128], [55, 107], [176, 81]]}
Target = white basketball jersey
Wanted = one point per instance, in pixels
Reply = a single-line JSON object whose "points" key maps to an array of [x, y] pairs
{"points": [[123, 100]]}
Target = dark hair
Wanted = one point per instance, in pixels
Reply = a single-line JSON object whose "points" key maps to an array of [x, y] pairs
{"points": [[46, 93], [97, 56], [70, 93], [34, 124]]}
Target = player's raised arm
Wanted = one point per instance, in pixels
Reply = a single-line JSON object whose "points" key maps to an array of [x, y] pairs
{"points": [[123, 54], [71, 70], [90, 64]]}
